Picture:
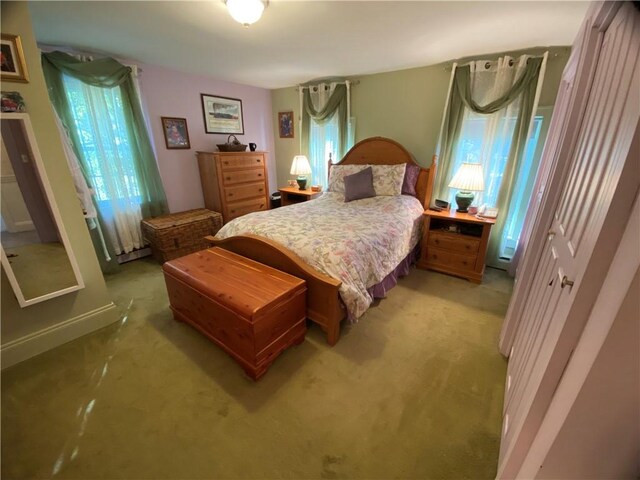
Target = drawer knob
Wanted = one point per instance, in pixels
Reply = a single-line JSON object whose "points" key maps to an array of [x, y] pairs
{"points": [[261, 189], [468, 247], [437, 242], [435, 257], [258, 160], [233, 211], [261, 205], [231, 194], [464, 262], [228, 178], [259, 174], [226, 163]]}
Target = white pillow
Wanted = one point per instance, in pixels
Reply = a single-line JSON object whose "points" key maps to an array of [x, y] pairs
{"points": [[337, 174], [388, 179]]}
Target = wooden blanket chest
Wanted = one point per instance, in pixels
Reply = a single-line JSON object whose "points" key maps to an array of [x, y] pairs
{"points": [[251, 310], [177, 234]]}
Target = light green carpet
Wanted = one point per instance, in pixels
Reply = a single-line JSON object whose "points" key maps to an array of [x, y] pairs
{"points": [[412, 391]]}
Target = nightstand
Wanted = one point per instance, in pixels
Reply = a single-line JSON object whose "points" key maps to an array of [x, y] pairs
{"points": [[291, 195], [455, 243]]}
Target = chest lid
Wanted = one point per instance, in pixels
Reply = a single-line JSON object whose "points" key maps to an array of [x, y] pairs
{"points": [[178, 219], [240, 284]]}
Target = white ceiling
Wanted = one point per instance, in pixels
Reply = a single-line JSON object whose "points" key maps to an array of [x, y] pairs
{"points": [[296, 41]]}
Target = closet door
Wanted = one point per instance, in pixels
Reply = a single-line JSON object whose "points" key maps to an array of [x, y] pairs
{"points": [[593, 208]]}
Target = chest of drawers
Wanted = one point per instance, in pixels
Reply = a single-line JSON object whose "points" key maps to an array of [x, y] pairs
{"points": [[234, 183]]}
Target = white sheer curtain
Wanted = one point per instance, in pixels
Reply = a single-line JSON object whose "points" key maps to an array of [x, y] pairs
{"points": [[98, 114], [486, 139], [325, 139]]}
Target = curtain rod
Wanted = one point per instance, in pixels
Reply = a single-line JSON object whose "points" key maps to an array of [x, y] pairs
{"points": [[351, 82], [448, 67]]}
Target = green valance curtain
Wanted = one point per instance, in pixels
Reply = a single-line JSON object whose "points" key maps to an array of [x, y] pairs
{"points": [[109, 73], [337, 102], [461, 98]]}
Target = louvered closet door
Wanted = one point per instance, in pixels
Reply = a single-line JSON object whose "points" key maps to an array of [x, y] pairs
{"points": [[601, 184]]}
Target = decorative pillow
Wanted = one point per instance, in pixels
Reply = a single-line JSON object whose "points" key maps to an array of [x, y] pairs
{"points": [[359, 185], [337, 174], [410, 179], [388, 179]]}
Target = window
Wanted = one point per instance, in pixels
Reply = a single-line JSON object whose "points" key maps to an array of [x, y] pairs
{"points": [[323, 140], [493, 153], [104, 139]]}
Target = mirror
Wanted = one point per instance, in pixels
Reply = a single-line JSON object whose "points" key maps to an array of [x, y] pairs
{"points": [[36, 256]]}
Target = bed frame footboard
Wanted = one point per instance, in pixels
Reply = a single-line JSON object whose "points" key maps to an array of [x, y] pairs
{"points": [[324, 306]]}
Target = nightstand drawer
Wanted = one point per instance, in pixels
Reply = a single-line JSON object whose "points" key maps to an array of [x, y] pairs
{"points": [[230, 162], [242, 176], [454, 242], [237, 209], [240, 192], [436, 256]]}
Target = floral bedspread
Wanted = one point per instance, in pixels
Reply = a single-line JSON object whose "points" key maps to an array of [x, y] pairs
{"points": [[359, 242]]}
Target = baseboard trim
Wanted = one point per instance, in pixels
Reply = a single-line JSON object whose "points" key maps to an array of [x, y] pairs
{"points": [[39, 342]]}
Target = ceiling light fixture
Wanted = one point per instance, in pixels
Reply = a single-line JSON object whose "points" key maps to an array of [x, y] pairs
{"points": [[246, 12]]}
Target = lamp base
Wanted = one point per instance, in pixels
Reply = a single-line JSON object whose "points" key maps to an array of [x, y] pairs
{"points": [[464, 199], [302, 182]]}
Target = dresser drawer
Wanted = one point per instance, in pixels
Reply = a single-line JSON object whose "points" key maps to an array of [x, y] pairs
{"points": [[454, 242], [436, 256], [241, 192], [231, 162], [237, 209], [243, 176]]}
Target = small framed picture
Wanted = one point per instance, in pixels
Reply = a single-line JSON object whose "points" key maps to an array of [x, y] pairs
{"points": [[222, 114], [285, 124], [12, 62], [176, 134]]}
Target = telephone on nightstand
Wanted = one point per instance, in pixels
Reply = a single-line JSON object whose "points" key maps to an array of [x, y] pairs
{"points": [[487, 212]]}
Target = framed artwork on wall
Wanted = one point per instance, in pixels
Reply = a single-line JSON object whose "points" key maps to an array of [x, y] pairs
{"points": [[176, 134], [12, 64], [285, 124], [222, 114]]}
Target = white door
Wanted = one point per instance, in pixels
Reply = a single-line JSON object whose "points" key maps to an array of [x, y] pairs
{"points": [[593, 208]]}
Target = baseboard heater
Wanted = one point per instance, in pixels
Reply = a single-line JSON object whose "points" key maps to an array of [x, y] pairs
{"points": [[133, 255]]}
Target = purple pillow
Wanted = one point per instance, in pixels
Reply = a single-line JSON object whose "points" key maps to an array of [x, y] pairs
{"points": [[411, 174], [359, 185]]}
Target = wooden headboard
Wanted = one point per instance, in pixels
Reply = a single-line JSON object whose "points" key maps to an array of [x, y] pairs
{"points": [[384, 151]]}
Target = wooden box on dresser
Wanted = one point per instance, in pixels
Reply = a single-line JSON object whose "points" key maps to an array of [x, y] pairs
{"points": [[234, 183], [455, 243]]}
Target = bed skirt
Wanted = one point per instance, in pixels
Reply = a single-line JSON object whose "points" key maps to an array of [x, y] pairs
{"points": [[379, 290]]}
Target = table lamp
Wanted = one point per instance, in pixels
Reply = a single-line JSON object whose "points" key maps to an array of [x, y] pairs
{"points": [[468, 179], [301, 168]]}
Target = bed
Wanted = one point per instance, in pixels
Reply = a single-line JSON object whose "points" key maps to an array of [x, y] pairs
{"points": [[344, 251]]}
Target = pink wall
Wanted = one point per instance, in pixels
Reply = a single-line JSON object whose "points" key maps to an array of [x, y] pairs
{"points": [[171, 93]]}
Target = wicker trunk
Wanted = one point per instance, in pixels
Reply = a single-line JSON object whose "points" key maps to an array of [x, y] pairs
{"points": [[178, 234]]}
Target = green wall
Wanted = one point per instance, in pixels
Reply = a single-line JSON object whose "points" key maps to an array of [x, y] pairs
{"points": [[404, 105], [91, 307]]}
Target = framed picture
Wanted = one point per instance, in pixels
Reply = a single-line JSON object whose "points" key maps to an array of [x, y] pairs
{"points": [[222, 114], [12, 62], [175, 131], [285, 124]]}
